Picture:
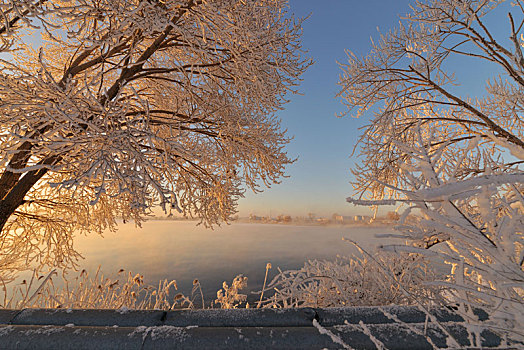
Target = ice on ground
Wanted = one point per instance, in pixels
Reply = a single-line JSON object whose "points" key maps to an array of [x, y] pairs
{"points": [[123, 310]]}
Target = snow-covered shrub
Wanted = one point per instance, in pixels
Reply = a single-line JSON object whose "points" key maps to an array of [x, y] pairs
{"points": [[480, 220], [353, 281], [229, 297]]}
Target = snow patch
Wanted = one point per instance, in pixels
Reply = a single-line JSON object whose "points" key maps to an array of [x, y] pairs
{"points": [[123, 310], [378, 344], [161, 332], [6, 330], [139, 330], [44, 330], [335, 338]]}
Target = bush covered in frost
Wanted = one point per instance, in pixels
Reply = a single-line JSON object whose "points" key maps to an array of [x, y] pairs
{"points": [[354, 281]]}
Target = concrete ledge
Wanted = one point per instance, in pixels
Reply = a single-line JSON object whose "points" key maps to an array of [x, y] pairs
{"points": [[225, 329], [79, 317], [7, 315], [221, 318]]}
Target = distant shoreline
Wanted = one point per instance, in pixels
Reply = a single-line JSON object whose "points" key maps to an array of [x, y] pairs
{"points": [[375, 223]]}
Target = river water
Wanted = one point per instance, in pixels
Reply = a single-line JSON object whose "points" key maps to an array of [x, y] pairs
{"points": [[182, 251]]}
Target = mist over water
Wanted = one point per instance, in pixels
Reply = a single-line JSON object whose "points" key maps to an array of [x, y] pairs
{"points": [[182, 251]]}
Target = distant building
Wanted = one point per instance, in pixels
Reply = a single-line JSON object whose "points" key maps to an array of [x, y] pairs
{"points": [[322, 221], [253, 217], [362, 218], [284, 218], [342, 219]]}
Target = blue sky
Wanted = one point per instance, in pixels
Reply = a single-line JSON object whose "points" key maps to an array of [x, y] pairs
{"points": [[319, 180]]}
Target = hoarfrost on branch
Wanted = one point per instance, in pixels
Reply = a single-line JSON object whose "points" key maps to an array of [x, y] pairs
{"points": [[452, 162]]}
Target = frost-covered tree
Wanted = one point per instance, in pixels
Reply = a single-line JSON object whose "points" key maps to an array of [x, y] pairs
{"points": [[110, 107], [452, 160]]}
